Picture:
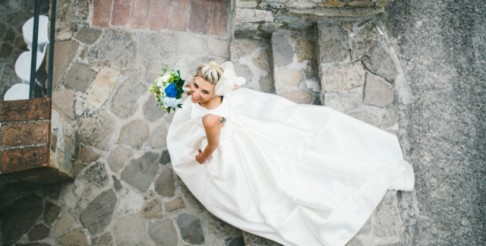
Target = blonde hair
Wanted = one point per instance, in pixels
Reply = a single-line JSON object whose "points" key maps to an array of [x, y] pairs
{"points": [[210, 72]]}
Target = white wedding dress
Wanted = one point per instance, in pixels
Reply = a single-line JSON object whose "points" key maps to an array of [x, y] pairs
{"points": [[296, 174]]}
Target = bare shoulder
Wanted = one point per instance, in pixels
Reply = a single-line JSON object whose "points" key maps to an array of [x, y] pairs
{"points": [[212, 120]]}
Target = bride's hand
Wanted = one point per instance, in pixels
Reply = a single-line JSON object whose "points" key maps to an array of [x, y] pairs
{"points": [[200, 158]]}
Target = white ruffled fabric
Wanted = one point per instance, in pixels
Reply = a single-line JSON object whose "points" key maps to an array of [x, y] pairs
{"points": [[229, 81], [295, 174]]}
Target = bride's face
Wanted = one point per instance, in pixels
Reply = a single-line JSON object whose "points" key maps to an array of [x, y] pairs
{"points": [[201, 90]]}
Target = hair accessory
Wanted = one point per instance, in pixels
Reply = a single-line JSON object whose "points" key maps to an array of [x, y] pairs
{"points": [[229, 81]]}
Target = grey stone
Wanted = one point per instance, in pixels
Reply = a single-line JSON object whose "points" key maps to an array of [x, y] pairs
{"points": [[88, 35], [253, 15], [137, 229], [387, 218], [134, 133], [119, 157], [152, 208], [141, 172], [86, 154], [377, 91], [163, 233], [165, 157], [342, 77], [332, 43], [124, 101], [174, 205], [96, 174], [38, 232], [380, 63], [282, 48], [104, 240], [151, 111], [63, 226], [51, 213], [97, 131], [115, 48], [235, 241], [99, 212], [165, 183], [116, 183], [64, 54], [75, 237], [79, 77], [22, 215], [190, 228], [158, 137], [344, 101], [101, 88], [363, 37], [63, 102]]}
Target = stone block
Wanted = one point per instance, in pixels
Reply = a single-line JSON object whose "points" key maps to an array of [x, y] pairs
{"points": [[79, 77], [178, 15], [246, 3], [158, 137], [190, 228], [152, 207], [165, 184], [130, 202], [253, 15], [25, 110], [297, 96], [63, 226], [138, 229], [174, 205], [75, 237], [332, 43], [218, 17], [377, 91], [163, 232], [101, 88], [97, 131], [115, 49], [282, 48], [124, 101], [379, 62], [120, 15], [151, 111], [286, 79], [388, 222], [38, 232], [164, 158], [104, 240], [97, 215], [51, 213], [88, 35], [342, 77], [134, 134], [101, 12], [119, 157], [25, 134], [141, 172], [343, 101], [15, 160], [22, 215], [63, 103], [63, 56]]}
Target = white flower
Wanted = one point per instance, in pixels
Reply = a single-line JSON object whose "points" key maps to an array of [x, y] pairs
{"points": [[171, 102], [161, 80]]}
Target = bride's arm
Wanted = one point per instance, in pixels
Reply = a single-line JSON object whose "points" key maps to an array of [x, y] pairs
{"points": [[212, 126]]}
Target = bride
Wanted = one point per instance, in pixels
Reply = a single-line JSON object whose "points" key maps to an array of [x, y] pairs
{"points": [[295, 174]]}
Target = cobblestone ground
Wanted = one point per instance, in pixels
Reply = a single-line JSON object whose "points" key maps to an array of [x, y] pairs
{"points": [[125, 191]]}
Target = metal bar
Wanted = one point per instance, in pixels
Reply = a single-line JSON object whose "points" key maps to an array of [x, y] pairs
{"points": [[33, 61], [52, 38]]}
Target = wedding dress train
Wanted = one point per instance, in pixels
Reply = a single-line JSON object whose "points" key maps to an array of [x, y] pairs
{"points": [[296, 174]]}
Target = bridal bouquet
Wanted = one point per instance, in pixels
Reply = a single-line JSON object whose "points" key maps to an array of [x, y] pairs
{"points": [[168, 89]]}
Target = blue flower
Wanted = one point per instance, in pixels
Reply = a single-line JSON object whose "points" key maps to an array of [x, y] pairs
{"points": [[171, 90]]}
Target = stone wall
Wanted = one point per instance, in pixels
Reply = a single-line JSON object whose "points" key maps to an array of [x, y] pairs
{"points": [[441, 45]]}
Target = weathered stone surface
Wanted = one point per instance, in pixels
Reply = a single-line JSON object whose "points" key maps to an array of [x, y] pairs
{"points": [[163, 233], [138, 231], [235, 241], [130, 202], [174, 205], [79, 77], [165, 157], [134, 133], [384, 226], [297, 96], [104, 240], [282, 48], [115, 49], [165, 183], [63, 56], [116, 183], [63, 102], [332, 43], [97, 130], [344, 101], [22, 215], [380, 63], [190, 228], [158, 137], [88, 35], [124, 102], [38, 232], [363, 36], [119, 157], [152, 209], [337, 78], [377, 91], [51, 213], [141, 172], [151, 111], [86, 154], [253, 15], [287, 78], [99, 212], [75, 237], [102, 87], [63, 226]]}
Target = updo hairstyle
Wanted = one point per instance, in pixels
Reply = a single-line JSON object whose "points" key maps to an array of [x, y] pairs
{"points": [[210, 72]]}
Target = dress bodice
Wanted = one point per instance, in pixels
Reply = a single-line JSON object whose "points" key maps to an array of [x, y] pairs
{"points": [[198, 112]]}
